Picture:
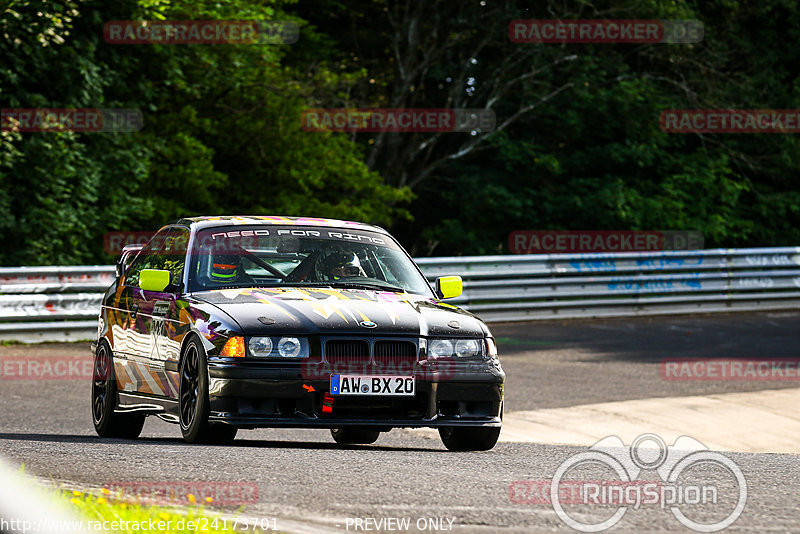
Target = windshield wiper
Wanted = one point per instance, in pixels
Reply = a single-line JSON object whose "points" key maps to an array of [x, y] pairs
{"points": [[367, 285], [359, 285]]}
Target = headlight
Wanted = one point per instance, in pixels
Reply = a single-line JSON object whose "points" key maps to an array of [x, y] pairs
{"points": [[467, 348], [461, 348], [289, 347], [260, 347], [440, 348], [274, 347]]}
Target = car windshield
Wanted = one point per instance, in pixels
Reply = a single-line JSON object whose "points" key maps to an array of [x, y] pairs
{"points": [[279, 256]]}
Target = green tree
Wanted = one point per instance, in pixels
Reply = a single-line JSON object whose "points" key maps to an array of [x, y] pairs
{"points": [[222, 131]]}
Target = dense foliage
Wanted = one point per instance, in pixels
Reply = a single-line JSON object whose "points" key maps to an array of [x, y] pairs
{"points": [[577, 143]]}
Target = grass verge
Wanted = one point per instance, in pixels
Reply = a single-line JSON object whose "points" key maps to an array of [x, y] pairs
{"points": [[104, 513]]}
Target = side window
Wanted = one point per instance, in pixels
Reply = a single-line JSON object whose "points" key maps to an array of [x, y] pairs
{"points": [[144, 259], [167, 250], [173, 253], [128, 259]]}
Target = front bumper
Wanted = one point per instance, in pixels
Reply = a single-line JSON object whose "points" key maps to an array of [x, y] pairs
{"points": [[251, 397]]}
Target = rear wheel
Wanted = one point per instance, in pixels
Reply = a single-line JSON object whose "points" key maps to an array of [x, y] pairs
{"points": [[193, 399], [467, 438], [107, 422], [354, 435]]}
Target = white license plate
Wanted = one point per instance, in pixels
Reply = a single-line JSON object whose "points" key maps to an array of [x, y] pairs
{"points": [[371, 385]]}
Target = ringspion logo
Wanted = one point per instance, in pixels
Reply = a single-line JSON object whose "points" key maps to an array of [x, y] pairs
{"points": [[573, 491], [684, 486]]}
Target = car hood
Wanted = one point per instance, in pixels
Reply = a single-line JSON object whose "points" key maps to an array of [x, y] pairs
{"points": [[306, 311]]}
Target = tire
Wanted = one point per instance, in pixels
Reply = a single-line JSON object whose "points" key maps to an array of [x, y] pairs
{"points": [[354, 435], [107, 422], [193, 403], [467, 438]]}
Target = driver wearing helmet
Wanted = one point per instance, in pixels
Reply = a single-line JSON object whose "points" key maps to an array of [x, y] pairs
{"points": [[225, 268], [219, 268], [341, 265]]}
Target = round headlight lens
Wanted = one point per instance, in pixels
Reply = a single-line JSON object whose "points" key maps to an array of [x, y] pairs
{"points": [[440, 348], [289, 347], [260, 347], [467, 348]]}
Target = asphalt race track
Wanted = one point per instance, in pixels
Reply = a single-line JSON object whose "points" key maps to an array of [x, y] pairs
{"points": [[308, 484]]}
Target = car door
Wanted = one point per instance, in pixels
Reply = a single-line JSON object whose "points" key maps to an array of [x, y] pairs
{"points": [[141, 370], [161, 318], [127, 333]]}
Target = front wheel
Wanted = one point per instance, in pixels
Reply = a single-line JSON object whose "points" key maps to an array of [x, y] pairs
{"points": [[465, 438], [354, 435], [107, 422], [193, 399]]}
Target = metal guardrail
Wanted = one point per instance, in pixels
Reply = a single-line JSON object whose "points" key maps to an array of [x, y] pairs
{"points": [[51, 303], [57, 303], [556, 286]]}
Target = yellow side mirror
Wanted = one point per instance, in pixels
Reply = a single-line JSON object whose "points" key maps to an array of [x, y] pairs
{"points": [[154, 279], [449, 287]]}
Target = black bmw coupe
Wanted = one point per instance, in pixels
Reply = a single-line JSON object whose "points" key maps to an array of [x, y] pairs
{"points": [[221, 323]]}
